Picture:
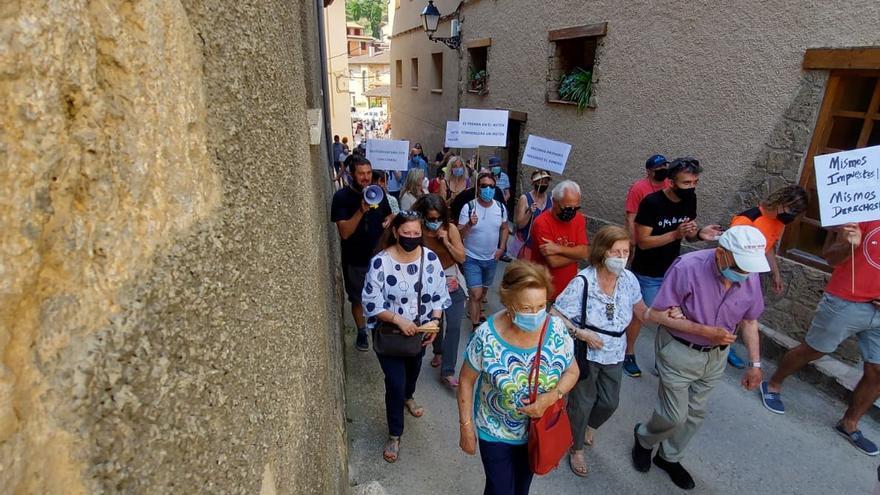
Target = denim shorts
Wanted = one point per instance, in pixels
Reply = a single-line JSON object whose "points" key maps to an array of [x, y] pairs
{"points": [[478, 273], [650, 287], [837, 319]]}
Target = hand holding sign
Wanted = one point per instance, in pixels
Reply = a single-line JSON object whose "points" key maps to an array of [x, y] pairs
{"points": [[848, 186]]}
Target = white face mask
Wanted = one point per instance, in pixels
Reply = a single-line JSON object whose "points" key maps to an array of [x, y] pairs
{"points": [[615, 265]]}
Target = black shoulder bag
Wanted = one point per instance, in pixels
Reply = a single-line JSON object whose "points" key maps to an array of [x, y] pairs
{"points": [[580, 347], [389, 340]]}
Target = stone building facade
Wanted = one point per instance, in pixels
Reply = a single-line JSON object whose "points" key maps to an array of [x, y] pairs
{"points": [[165, 252], [741, 86]]}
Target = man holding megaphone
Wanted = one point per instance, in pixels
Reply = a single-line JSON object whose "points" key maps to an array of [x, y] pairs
{"points": [[361, 213]]}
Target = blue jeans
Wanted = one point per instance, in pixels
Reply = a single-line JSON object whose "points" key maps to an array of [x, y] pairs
{"points": [[507, 468], [401, 375], [478, 273], [650, 287], [446, 342]]}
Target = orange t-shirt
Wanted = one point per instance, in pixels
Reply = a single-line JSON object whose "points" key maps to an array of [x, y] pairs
{"points": [[867, 268], [770, 227]]}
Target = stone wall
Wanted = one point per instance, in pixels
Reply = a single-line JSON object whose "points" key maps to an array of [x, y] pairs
{"points": [[168, 307]]}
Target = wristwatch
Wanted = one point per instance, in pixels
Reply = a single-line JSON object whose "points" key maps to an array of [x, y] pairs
{"points": [[755, 364]]}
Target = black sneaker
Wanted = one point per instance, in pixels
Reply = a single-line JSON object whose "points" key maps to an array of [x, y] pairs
{"points": [[677, 472], [363, 340], [641, 456], [505, 259], [630, 367]]}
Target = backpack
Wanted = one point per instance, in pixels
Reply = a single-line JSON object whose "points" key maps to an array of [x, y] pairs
{"points": [[472, 204]]}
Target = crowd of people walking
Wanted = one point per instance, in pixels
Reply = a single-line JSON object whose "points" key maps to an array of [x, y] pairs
{"points": [[416, 262]]}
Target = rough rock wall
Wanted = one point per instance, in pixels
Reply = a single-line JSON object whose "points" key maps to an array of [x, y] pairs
{"points": [[167, 315]]}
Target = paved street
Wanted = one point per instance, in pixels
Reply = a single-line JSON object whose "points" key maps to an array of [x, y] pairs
{"points": [[742, 448]]}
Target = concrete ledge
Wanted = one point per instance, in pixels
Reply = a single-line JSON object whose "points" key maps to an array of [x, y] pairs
{"points": [[830, 374]]}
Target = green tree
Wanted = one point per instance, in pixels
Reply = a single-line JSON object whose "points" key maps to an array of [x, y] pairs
{"points": [[367, 13]]}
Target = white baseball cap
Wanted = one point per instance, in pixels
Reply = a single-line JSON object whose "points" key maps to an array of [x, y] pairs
{"points": [[748, 246]]}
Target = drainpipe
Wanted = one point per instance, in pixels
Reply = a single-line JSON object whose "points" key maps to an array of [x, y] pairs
{"points": [[325, 87]]}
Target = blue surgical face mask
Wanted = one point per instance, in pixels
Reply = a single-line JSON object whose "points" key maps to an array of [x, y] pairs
{"points": [[487, 193], [496, 170], [733, 275], [433, 225], [458, 172], [530, 322]]}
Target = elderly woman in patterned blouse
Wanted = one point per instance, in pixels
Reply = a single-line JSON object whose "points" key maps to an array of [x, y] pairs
{"points": [[500, 355], [613, 299]]}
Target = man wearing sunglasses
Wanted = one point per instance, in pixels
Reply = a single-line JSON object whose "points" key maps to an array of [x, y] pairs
{"points": [[560, 236], [717, 291]]}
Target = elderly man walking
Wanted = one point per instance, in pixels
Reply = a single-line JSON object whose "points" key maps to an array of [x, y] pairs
{"points": [[560, 236], [717, 290]]}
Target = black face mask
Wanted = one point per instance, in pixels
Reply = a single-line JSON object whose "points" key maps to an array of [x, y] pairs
{"points": [[567, 214], [786, 217], [661, 175], [408, 244], [542, 188], [686, 194]]}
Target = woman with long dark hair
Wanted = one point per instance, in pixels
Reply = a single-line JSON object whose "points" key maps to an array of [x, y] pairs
{"points": [[406, 289], [442, 237]]}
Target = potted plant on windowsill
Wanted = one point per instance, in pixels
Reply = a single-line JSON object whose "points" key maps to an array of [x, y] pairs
{"points": [[478, 80], [576, 86]]}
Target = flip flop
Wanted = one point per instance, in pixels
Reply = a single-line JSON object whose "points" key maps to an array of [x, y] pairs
{"points": [[579, 468], [392, 450], [449, 381], [413, 408], [437, 360]]}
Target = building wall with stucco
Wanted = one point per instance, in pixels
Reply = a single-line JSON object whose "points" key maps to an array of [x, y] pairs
{"points": [[420, 111], [722, 82], [337, 69], [169, 317]]}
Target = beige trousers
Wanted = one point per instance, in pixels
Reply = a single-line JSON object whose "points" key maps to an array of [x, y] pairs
{"points": [[687, 376]]}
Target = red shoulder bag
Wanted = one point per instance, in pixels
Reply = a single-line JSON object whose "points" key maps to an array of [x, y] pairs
{"points": [[550, 435]]}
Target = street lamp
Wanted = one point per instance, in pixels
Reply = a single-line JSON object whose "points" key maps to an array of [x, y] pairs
{"points": [[431, 18]]}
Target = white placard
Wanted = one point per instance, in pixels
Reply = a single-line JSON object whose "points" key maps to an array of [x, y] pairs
{"points": [[546, 154], [483, 127], [388, 154], [453, 138], [848, 184]]}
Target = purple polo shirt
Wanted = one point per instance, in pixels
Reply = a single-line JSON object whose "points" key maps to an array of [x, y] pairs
{"points": [[694, 283]]}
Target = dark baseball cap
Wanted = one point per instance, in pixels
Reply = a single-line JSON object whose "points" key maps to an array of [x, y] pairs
{"points": [[656, 161], [494, 160]]}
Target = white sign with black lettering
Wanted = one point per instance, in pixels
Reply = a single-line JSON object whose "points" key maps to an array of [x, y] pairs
{"points": [[388, 154], [546, 154], [453, 138], [848, 184], [483, 127]]}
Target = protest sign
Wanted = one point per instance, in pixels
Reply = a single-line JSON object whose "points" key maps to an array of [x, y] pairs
{"points": [[848, 185], [546, 154], [388, 154], [453, 138], [482, 127]]}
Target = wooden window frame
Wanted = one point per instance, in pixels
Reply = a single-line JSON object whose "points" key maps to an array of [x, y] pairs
{"points": [[819, 59], [584, 32]]}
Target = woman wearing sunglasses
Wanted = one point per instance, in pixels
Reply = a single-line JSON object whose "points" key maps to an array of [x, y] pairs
{"points": [[406, 288], [612, 299], [443, 238]]}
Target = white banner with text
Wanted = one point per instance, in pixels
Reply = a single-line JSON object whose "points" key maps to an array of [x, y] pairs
{"points": [[848, 184]]}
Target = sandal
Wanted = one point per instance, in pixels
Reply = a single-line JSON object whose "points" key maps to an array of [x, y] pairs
{"points": [[449, 381], [437, 361], [414, 409], [588, 436], [578, 463], [392, 449]]}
